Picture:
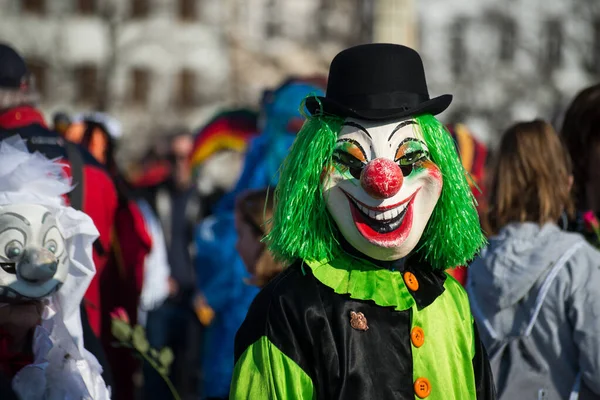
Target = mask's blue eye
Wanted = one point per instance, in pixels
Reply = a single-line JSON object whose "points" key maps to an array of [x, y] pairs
{"points": [[51, 246], [13, 249]]}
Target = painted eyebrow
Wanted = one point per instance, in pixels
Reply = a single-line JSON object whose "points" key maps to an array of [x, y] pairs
{"points": [[22, 218], [410, 139], [355, 125], [401, 125]]}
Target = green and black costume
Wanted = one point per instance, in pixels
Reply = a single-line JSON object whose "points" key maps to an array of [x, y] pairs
{"points": [[349, 327], [297, 341]]}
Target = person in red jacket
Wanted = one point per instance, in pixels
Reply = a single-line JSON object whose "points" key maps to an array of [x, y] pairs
{"points": [[121, 285], [94, 193]]}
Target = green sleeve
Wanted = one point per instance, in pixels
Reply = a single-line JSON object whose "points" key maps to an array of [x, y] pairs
{"points": [[264, 372]]}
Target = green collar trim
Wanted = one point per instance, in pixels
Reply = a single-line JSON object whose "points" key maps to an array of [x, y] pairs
{"points": [[363, 280]]}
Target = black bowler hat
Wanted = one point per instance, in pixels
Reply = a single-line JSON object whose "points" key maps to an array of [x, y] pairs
{"points": [[377, 82], [13, 70]]}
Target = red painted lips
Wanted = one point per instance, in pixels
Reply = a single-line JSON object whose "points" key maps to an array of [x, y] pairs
{"points": [[386, 226]]}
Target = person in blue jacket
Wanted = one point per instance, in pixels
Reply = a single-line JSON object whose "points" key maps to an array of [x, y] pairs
{"points": [[221, 274]]}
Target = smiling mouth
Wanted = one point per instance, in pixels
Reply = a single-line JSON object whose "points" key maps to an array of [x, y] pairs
{"points": [[387, 226], [382, 221]]}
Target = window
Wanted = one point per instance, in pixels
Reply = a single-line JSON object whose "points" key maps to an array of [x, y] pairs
{"points": [[39, 71], [508, 38], [140, 8], [187, 10], [272, 19], [186, 88], [86, 80], [458, 51], [595, 51], [86, 7], [140, 85], [322, 19], [34, 6], [365, 15], [552, 52]]}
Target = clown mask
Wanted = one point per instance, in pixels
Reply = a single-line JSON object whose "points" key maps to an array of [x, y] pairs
{"points": [[33, 258], [382, 187]]}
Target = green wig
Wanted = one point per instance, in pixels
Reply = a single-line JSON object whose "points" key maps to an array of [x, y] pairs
{"points": [[303, 227]]}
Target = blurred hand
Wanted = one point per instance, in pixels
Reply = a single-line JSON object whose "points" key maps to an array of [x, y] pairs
{"points": [[203, 311], [173, 287]]}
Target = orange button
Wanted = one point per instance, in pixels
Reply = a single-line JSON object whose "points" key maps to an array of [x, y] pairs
{"points": [[422, 388], [417, 336], [411, 281]]}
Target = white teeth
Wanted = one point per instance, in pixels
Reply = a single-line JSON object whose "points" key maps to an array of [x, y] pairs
{"points": [[382, 215]]}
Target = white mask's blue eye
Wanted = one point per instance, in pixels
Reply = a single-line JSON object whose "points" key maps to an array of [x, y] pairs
{"points": [[13, 249], [51, 246], [54, 242]]}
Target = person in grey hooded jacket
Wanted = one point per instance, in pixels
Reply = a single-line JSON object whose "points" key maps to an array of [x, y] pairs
{"points": [[530, 191]]}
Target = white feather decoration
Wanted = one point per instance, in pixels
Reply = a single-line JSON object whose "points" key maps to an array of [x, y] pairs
{"points": [[25, 175]]}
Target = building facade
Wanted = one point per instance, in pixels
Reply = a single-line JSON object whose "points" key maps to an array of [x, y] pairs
{"points": [[509, 60], [156, 63], [150, 63]]}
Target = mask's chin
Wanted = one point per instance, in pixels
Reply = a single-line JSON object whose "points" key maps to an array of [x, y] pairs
{"points": [[376, 252]]}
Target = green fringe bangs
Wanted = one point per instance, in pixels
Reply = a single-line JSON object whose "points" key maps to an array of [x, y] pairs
{"points": [[302, 226], [453, 234]]}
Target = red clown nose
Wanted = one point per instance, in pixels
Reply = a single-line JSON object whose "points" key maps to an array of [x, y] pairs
{"points": [[381, 178]]}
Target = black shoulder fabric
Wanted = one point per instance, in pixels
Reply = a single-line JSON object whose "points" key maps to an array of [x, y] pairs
{"points": [[484, 381], [38, 138], [256, 323]]}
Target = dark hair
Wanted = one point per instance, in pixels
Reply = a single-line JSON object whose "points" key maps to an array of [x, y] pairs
{"points": [[530, 177], [581, 135], [256, 209]]}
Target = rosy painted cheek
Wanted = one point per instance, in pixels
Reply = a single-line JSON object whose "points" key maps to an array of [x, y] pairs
{"points": [[432, 170], [427, 170]]}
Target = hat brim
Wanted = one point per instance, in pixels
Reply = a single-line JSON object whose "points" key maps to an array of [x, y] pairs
{"points": [[318, 105]]}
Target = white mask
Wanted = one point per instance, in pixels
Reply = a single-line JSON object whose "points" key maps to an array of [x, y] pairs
{"points": [[33, 257], [382, 187]]}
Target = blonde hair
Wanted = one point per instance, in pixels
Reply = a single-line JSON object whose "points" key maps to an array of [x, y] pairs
{"points": [[256, 208], [530, 179]]}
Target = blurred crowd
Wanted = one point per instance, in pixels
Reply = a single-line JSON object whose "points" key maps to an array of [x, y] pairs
{"points": [[180, 231]]}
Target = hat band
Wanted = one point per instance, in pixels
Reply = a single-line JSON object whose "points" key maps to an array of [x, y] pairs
{"points": [[11, 83], [382, 101]]}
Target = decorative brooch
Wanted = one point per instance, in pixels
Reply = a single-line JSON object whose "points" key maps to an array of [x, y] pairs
{"points": [[358, 321]]}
